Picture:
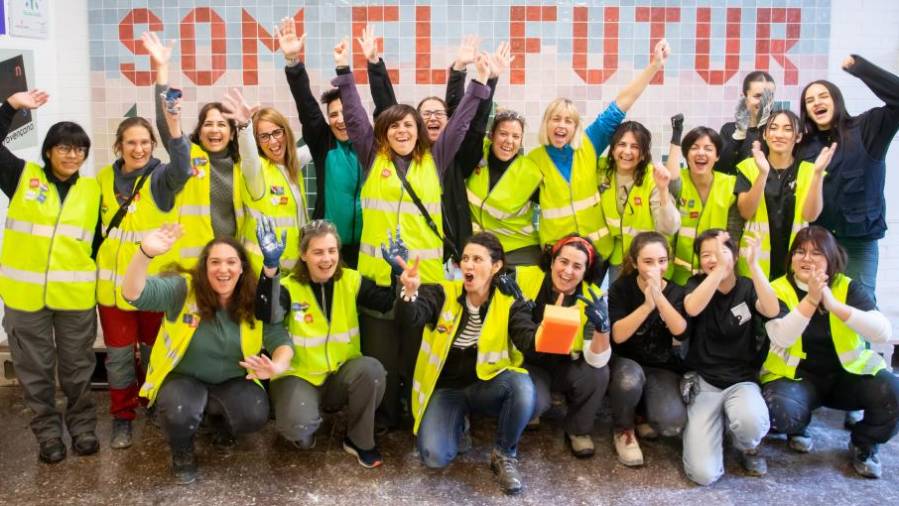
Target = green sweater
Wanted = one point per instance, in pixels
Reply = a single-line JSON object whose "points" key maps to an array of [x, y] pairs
{"points": [[214, 351]]}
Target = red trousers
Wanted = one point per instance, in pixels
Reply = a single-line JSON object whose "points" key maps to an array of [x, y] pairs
{"points": [[129, 336]]}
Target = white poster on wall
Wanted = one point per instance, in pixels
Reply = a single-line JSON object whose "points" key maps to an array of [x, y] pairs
{"points": [[29, 18]]}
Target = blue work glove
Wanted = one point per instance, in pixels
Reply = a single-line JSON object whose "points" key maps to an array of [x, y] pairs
{"points": [[395, 248], [271, 248], [597, 311]]}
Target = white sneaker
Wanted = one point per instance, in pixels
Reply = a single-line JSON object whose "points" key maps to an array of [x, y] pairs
{"points": [[627, 448]]}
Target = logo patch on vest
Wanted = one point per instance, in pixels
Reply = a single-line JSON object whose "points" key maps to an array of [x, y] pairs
{"points": [[308, 318], [34, 182], [694, 215], [277, 190], [193, 320], [442, 329], [200, 173], [284, 200], [196, 162], [385, 173], [638, 201]]}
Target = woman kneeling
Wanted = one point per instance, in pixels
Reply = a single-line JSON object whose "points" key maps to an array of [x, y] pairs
{"points": [[206, 358], [470, 360]]}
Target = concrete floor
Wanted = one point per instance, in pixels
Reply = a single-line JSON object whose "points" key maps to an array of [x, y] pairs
{"points": [[260, 470]]}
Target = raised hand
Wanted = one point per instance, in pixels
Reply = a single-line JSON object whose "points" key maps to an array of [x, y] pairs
{"points": [[597, 311], [468, 52], [409, 278], [342, 53], [161, 240], [817, 282], [760, 160], [261, 367], [31, 99], [237, 108], [272, 249], [662, 176], [369, 44], [291, 45], [508, 286], [395, 248], [159, 52], [753, 246], [848, 63], [501, 59], [660, 53], [722, 261], [482, 63], [824, 158], [766, 103]]}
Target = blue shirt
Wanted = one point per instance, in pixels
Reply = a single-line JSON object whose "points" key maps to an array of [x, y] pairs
{"points": [[599, 132]]}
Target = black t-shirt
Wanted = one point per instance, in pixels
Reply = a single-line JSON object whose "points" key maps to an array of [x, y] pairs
{"points": [[817, 342], [728, 342], [780, 201], [651, 344]]}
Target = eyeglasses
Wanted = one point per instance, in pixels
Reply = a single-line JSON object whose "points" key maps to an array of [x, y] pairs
{"points": [[267, 137], [433, 114], [66, 150]]}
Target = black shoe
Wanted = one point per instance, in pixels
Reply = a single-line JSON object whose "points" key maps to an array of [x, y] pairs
{"points": [[121, 434], [506, 471], [223, 440], [85, 443], [753, 463], [367, 458], [184, 466], [865, 461], [52, 451]]}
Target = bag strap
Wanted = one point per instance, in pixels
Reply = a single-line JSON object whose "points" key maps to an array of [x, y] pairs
{"points": [[454, 253], [120, 214]]}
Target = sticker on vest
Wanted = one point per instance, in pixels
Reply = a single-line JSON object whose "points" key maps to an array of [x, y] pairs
{"points": [[30, 195], [603, 187], [277, 190], [34, 182], [200, 173], [308, 318], [741, 313], [132, 208], [694, 215], [298, 309], [200, 160], [284, 200], [274, 200], [691, 203], [385, 173], [42, 197], [638, 201]]}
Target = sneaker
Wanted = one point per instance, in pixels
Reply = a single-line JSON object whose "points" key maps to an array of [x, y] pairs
{"points": [[627, 448], [465, 439], [581, 446], [121, 434], [52, 451], [304, 443], [184, 466], [852, 418], [506, 471], [865, 461], [367, 458], [801, 443], [645, 431], [85, 443], [753, 463]]}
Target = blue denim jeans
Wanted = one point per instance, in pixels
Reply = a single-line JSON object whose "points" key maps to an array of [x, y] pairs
{"points": [[862, 265], [509, 396]]}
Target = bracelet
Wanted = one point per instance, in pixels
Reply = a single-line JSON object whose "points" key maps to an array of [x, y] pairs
{"points": [[141, 248], [406, 297]]}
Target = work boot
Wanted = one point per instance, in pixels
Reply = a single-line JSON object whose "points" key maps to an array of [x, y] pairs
{"points": [[85, 443], [184, 465], [753, 463], [121, 434], [801, 443], [52, 451], [581, 446], [627, 448], [506, 471]]}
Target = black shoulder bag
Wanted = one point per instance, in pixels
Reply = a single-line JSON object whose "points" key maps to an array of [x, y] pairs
{"points": [[454, 253], [120, 214]]}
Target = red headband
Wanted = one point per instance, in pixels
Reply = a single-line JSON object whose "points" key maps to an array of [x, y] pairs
{"points": [[575, 239]]}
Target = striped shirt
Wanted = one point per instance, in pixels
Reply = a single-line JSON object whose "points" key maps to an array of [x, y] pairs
{"points": [[468, 336]]}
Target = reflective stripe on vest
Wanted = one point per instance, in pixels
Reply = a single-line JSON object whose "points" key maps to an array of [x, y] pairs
{"points": [[637, 211], [322, 344], [572, 206], [697, 216], [174, 338], [849, 346], [46, 257], [194, 207], [285, 202], [386, 205], [495, 350], [758, 224], [120, 246]]}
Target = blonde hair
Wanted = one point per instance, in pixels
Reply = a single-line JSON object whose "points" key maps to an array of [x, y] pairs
{"points": [[291, 161], [566, 107]]}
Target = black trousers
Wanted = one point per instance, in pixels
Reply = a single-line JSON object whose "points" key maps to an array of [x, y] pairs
{"points": [[791, 402], [240, 406], [583, 385]]}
